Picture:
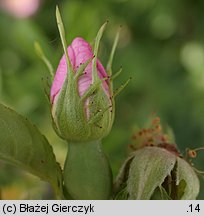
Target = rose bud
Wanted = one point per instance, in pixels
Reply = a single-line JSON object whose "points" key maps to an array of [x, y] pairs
{"points": [[82, 108], [81, 95], [156, 170]]}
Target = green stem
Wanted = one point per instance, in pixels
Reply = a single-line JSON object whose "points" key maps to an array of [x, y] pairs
{"points": [[87, 174]]}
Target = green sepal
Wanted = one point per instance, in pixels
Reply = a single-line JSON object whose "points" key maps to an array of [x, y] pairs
{"points": [[121, 179], [148, 170], [93, 89], [98, 116], [63, 40], [82, 67], [42, 56], [116, 74], [160, 194], [95, 76], [187, 180], [110, 61], [118, 90]]}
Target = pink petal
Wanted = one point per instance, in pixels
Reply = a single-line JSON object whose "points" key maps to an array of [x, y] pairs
{"points": [[79, 52]]}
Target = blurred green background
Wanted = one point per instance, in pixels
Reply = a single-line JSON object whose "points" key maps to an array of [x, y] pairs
{"points": [[161, 48]]}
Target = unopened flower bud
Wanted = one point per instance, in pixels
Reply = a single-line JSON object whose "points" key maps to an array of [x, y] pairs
{"points": [[155, 173], [156, 170], [80, 96]]}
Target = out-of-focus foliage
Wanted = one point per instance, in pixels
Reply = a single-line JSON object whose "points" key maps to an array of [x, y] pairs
{"points": [[161, 48]]}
